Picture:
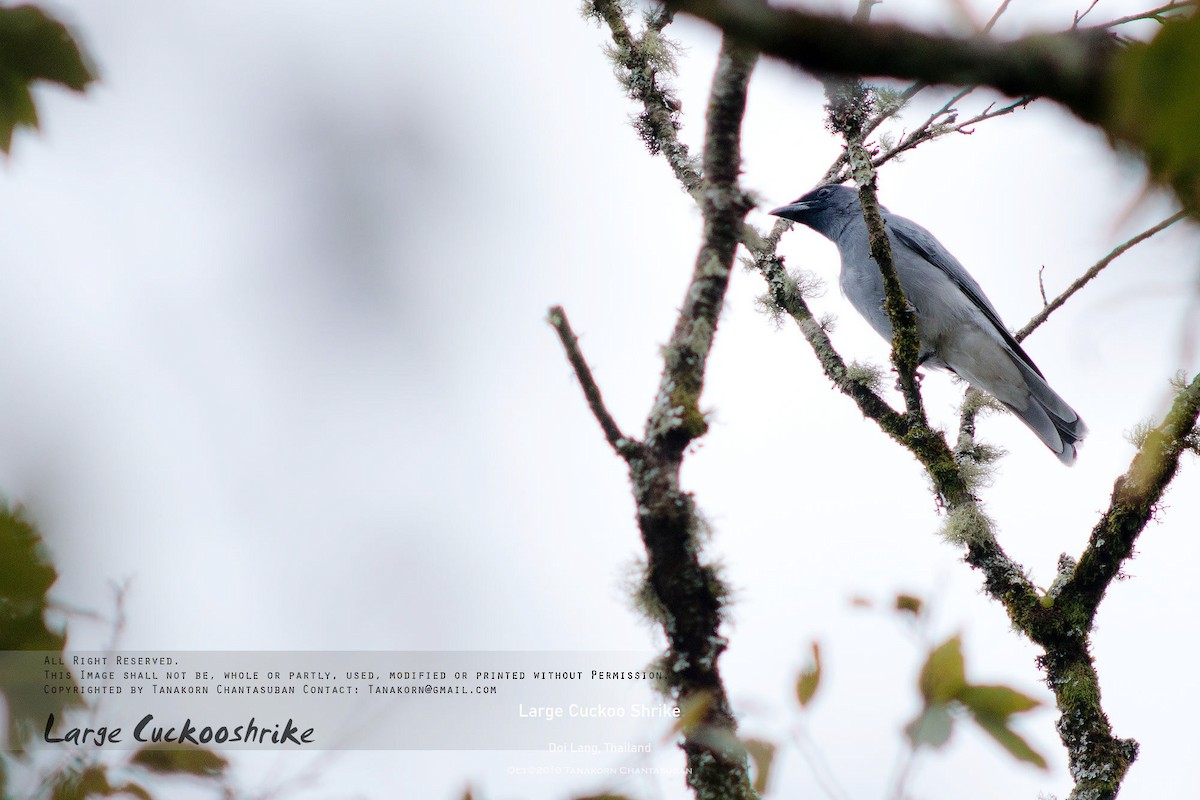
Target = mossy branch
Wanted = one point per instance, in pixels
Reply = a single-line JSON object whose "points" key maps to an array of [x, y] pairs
{"points": [[681, 590], [686, 593], [1134, 499]]}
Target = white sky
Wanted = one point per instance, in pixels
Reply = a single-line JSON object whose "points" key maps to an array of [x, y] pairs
{"points": [[274, 305]]}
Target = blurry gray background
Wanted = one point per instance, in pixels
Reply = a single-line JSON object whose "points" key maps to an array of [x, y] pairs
{"points": [[275, 352]]}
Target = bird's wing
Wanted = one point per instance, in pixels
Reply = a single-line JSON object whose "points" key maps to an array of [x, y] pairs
{"points": [[923, 243]]}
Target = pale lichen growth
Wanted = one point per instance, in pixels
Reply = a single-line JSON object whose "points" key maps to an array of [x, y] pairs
{"points": [[976, 474], [867, 374], [635, 583], [977, 403], [965, 524], [1191, 441], [888, 101], [701, 337], [713, 267], [659, 50], [665, 415], [1139, 433], [788, 288], [1066, 570], [765, 304]]}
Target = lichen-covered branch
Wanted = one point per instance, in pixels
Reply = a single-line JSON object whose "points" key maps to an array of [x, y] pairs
{"points": [[1134, 498], [681, 590], [849, 111], [1098, 759], [787, 296], [685, 592], [1156, 14], [640, 61]]}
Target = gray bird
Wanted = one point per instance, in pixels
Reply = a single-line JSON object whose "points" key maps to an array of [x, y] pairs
{"points": [[959, 330]]}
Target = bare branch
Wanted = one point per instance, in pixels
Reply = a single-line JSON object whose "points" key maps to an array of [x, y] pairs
{"points": [[991, 23], [1156, 14], [624, 447], [863, 13], [929, 130], [1080, 15], [1092, 272]]}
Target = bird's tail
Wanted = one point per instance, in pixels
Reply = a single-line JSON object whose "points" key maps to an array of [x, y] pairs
{"points": [[1049, 416]]}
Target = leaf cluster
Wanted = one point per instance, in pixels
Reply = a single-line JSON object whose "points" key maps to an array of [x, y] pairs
{"points": [[945, 690]]}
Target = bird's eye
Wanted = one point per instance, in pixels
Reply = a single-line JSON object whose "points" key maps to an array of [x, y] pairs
{"points": [[824, 192]]}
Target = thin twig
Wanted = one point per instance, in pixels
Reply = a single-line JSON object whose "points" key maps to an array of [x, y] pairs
{"points": [[991, 23], [926, 134], [824, 775], [557, 318], [1155, 14], [1079, 17], [836, 172], [863, 13], [1092, 272], [970, 406]]}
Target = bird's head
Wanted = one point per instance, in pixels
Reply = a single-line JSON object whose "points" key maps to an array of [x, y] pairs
{"points": [[825, 209]]}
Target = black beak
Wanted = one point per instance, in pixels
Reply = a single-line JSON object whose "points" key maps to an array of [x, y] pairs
{"points": [[793, 211]]}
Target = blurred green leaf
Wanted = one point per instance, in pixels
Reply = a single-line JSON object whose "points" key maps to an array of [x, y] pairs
{"points": [[1011, 741], [26, 578], [16, 108], [185, 759], [943, 676], [25, 581], [1155, 105], [810, 677], [932, 726], [762, 753], [33, 46], [995, 702]]}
